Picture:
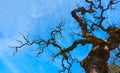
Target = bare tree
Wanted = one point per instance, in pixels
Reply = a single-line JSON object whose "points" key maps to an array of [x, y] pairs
{"points": [[96, 61]]}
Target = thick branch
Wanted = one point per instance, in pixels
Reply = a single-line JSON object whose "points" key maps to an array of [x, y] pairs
{"points": [[83, 25]]}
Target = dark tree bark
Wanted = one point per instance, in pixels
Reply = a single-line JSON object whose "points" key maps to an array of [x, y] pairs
{"points": [[96, 61]]}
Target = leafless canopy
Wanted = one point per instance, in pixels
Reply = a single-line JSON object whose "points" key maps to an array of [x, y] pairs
{"points": [[97, 10]]}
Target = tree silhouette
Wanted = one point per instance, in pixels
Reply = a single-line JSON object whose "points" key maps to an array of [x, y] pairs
{"points": [[96, 61]]}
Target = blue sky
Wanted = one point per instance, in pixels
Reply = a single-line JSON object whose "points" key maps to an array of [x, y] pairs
{"points": [[32, 17]]}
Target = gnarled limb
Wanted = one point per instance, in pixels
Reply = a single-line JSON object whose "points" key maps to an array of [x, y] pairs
{"points": [[101, 49], [96, 61]]}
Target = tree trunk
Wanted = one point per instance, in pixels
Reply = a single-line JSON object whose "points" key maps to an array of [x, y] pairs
{"points": [[96, 61]]}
